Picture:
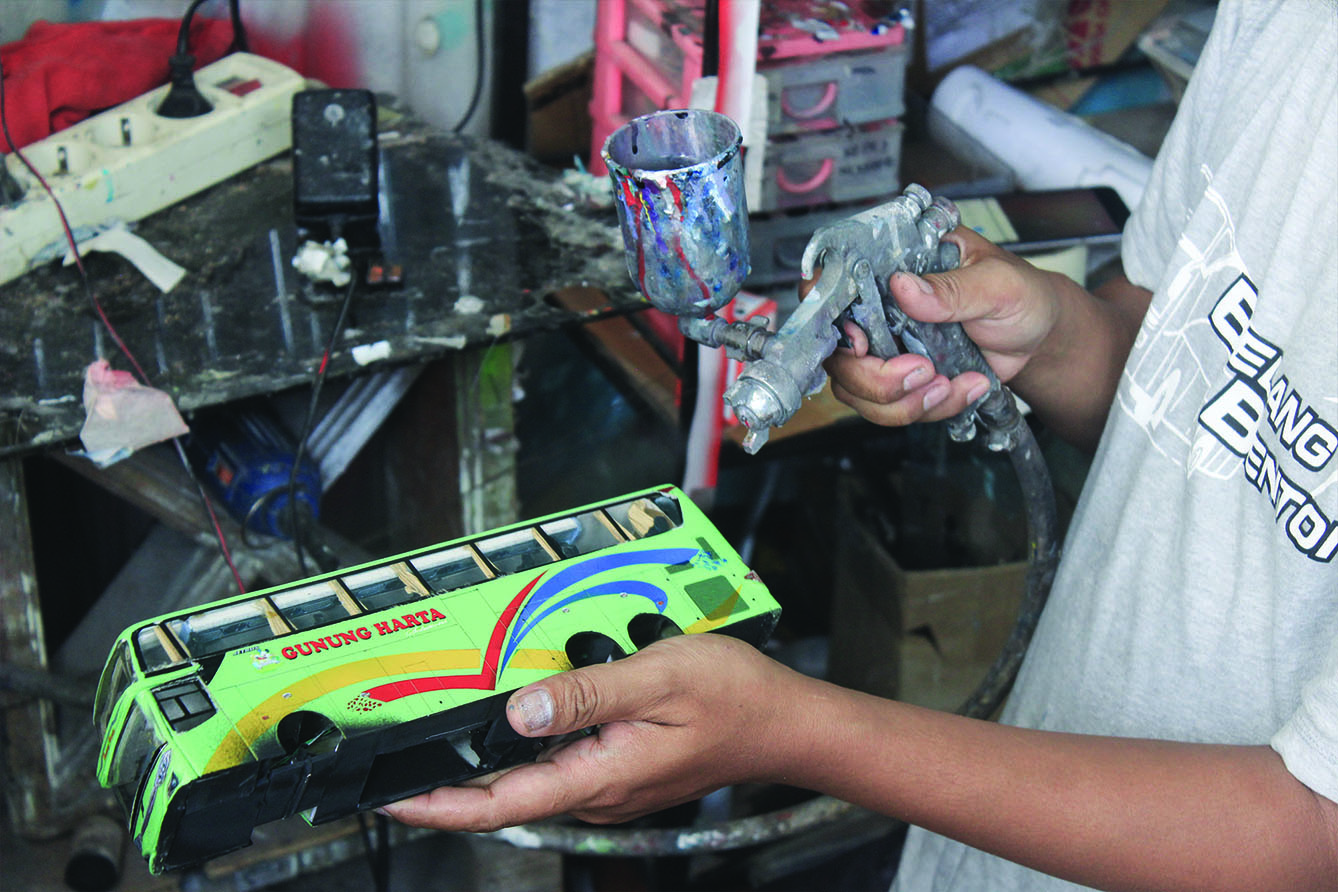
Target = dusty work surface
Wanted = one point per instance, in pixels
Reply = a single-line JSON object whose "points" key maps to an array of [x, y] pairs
{"points": [[484, 234]]}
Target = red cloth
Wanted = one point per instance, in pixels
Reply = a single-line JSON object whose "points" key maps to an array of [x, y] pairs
{"points": [[58, 74]]}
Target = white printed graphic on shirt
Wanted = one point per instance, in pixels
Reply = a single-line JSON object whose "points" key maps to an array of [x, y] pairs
{"points": [[1258, 399], [1162, 381], [1258, 424]]}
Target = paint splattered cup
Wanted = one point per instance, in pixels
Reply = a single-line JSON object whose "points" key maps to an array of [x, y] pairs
{"points": [[678, 187]]}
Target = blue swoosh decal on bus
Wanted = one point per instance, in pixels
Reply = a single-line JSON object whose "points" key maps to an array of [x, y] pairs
{"points": [[571, 576], [652, 593]]}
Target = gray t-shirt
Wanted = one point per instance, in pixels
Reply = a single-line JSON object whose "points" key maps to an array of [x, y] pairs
{"points": [[1198, 595]]}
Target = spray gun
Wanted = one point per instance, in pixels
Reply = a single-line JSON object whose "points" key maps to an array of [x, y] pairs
{"points": [[678, 186]]}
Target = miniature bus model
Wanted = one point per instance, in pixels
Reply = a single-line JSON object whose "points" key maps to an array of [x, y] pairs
{"points": [[354, 689]]}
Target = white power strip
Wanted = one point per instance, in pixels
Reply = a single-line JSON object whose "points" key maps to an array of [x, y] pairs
{"points": [[129, 161]]}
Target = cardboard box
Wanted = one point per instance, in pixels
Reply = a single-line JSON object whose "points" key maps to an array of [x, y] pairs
{"points": [[923, 636], [558, 101]]}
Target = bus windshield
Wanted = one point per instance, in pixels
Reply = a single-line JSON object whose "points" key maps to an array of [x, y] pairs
{"points": [[116, 678], [138, 742]]}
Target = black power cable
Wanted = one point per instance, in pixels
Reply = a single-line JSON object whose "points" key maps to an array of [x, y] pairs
{"points": [[240, 44], [480, 67], [184, 99], [377, 848], [295, 522]]}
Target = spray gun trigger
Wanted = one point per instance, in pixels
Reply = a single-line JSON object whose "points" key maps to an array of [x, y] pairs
{"points": [[867, 311], [842, 339]]}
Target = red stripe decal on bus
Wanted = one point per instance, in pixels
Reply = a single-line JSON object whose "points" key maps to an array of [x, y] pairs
{"points": [[484, 680]]}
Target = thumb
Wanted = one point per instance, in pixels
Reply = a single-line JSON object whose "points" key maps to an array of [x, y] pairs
{"points": [[964, 294], [581, 698], [922, 301]]}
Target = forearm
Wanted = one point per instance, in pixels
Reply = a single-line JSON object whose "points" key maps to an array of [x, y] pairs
{"points": [[1070, 381], [1109, 812]]}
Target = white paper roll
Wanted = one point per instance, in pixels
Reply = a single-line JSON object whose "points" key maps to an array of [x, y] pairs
{"points": [[1045, 147]]}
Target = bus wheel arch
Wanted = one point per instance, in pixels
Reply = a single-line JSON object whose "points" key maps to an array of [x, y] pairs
{"points": [[308, 731], [645, 629], [590, 648]]}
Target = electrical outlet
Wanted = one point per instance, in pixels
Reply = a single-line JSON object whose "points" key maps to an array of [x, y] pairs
{"points": [[129, 162]]}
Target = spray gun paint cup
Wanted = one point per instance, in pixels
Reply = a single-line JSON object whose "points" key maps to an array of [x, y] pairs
{"points": [[678, 185]]}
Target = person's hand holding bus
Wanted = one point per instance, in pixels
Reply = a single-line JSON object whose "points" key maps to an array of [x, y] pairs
{"points": [[673, 722]]}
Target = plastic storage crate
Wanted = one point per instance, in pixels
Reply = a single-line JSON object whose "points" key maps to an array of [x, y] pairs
{"points": [[655, 47], [831, 166], [836, 90]]}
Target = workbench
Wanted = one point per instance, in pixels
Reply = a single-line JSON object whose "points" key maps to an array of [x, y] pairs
{"points": [[487, 239]]}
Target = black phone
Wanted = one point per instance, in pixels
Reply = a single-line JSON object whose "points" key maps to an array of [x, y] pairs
{"points": [[1047, 219]]}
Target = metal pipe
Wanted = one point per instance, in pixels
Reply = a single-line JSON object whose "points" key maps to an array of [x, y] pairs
{"points": [[718, 837]]}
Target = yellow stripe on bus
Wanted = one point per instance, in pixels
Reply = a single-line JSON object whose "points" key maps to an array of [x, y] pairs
{"points": [[235, 747], [539, 658], [717, 617]]}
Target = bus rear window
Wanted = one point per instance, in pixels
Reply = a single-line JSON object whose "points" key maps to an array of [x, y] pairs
{"points": [[451, 569], [313, 605]]}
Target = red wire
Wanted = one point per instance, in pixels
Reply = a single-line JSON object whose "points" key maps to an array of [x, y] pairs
{"points": [[83, 273], [111, 329]]}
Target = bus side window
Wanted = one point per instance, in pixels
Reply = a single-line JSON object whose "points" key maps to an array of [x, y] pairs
{"points": [[136, 746], [385, 586], [116, 678], [454, 568], [225, 628], [314, 605], [582, 534], [151, 649], [517, 551], [643, 517]]}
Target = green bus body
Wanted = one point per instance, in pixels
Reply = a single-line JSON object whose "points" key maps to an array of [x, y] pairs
{"points": [[353, 689]]}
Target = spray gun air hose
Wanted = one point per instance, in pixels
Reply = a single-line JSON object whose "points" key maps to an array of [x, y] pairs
{"points": [[678, 182], [1043, 559], [822, 811]]}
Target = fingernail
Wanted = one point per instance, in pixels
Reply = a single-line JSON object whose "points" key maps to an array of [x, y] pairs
{"points": [[536, 709], [977, 392], [916, 377], [919, 282], [935, 395]]}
